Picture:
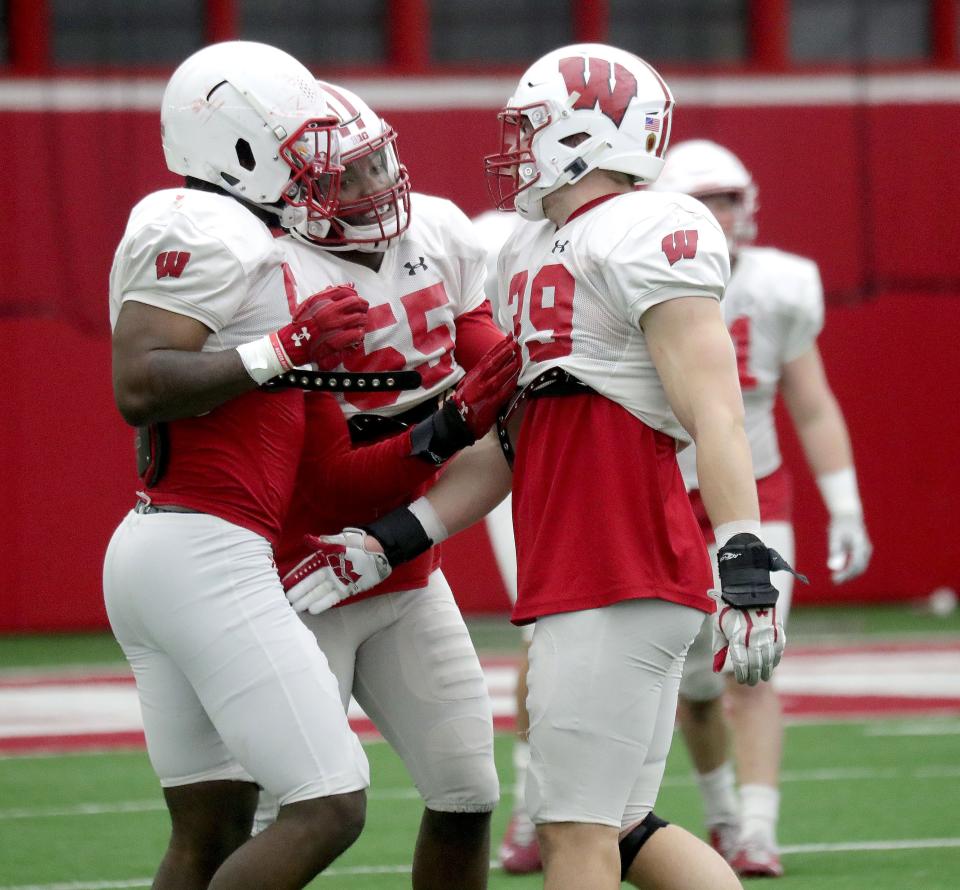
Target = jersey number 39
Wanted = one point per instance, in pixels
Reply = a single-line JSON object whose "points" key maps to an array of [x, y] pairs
{"points": [[550, 297]]}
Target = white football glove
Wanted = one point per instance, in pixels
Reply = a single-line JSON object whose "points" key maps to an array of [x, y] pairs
{"points": [[339, 566], [849, 547], [752, 638], [746, 626]]}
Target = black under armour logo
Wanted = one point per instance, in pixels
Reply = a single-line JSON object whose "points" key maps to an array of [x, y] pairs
{"points": [[559, 246], [412, 267]]}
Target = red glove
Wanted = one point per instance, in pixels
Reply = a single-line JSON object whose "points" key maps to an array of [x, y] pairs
{"points": [[326, 324], [323, 327], [486, 386], [472, 409]]}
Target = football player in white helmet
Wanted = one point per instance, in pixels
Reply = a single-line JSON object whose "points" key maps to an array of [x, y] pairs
{"points": [[614, 297], [613, 294], [234, 691], [374, 200], [774, 309], [402, 649]]}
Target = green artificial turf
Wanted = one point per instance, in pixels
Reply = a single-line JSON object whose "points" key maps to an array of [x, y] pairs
{"points": [[98, 818], [97, 821]]}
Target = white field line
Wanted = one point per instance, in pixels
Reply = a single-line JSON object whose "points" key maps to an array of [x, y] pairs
{"points": [[938, 843], [358, 870], [914, 728], [397, 794]]}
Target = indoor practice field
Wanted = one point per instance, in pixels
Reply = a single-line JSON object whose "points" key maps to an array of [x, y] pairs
{"points": [[871, 783]]}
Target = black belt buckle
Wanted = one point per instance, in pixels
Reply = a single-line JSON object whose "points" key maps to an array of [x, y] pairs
{"points": [[145, 506]]}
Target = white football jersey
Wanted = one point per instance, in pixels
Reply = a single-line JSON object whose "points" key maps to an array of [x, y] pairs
{"points": [[205, 256], [493, 227], [574, 296], [431, 275], [774, 310]]}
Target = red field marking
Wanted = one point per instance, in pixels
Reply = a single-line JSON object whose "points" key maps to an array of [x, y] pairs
{"points": [[796, 705]]}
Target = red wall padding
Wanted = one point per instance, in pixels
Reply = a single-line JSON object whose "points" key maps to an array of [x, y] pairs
{"points": [[869, 192]]}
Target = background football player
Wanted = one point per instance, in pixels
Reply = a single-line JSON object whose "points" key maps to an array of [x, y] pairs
{"points": [[403, 649], [773, 308]]}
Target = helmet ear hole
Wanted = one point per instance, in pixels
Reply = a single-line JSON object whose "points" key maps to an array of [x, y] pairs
{"points": [[245, 155], [227, 178]]}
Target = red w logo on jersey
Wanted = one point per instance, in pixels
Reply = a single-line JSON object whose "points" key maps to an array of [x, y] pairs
{"points": [[613, 100], [171, 263], [680, 245]]}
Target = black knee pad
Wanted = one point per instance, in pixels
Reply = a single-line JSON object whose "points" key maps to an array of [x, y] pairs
{"points": [[638, 836]]}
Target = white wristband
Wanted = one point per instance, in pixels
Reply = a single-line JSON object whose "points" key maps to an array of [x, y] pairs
{"points": [[264, 359], [427, 516], [725, 531], [839, 492]]}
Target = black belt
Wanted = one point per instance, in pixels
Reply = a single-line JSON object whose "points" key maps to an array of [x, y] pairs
{"points": [[345, 381], [144, 507], [367, 427], [551, 383], [556, 382]]}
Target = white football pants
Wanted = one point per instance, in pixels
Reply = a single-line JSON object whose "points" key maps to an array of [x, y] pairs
{"points": [[231, 684]]}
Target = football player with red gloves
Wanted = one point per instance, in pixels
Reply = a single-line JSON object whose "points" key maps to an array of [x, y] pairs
{"points": [[402, 648], [234, 692], [773, 307], [595, 472]]}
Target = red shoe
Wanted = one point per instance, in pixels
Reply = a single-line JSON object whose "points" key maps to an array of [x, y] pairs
{"points": [[757, 859], [520, 850], [723, 839]]}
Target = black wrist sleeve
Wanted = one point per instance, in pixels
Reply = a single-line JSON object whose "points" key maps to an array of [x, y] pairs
{"points": [[401, 535], [745, 563], [441, 435]]}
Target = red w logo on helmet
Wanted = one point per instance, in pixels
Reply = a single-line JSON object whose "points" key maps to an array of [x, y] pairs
{"points": [[612, 99]]}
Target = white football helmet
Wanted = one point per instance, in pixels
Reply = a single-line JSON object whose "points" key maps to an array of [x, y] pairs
{"points": [[613, 97], [249, 118], [702, 168], [368, 153]]}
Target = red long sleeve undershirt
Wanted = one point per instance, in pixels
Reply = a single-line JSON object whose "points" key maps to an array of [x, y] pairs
{"points": [[339, 484]]}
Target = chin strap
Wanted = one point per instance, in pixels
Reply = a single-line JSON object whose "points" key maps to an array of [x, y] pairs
{"points": [[291, 217], [578, 167]]}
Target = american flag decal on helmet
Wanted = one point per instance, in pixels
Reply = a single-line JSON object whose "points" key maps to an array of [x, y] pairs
{"points": [[652, 124]]}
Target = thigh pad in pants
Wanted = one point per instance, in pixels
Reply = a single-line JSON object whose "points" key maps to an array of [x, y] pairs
{"points": [[602, 699], [417, 676]]}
